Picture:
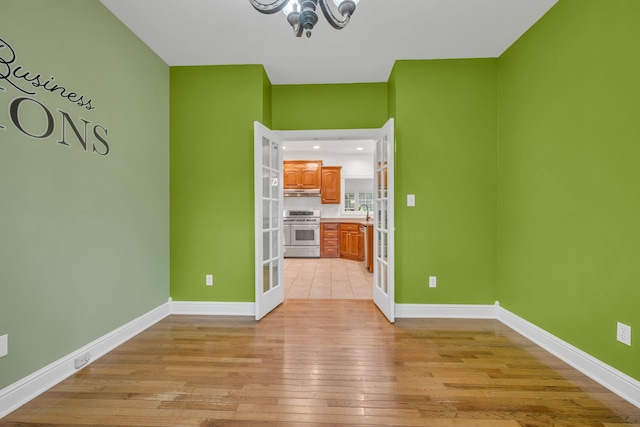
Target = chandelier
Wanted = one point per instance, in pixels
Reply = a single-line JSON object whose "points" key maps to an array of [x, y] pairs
{"points": [[302, 16]]}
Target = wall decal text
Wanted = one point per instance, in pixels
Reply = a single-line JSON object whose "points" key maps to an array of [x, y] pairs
{"points": [[34, 119]]}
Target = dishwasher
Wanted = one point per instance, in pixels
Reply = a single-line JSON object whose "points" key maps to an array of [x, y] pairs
{"points": [[363, 230]]}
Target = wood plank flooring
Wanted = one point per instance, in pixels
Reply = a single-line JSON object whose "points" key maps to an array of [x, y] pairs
{"points": [[326, 363]]}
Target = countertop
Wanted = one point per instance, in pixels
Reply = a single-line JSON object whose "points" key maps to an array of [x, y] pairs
{"points": [[361, 221]]}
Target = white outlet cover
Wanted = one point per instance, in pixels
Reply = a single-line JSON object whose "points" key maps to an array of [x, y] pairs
{"points": [[624, 334], [4, 345], [432, 281], [209, 280], [79, 362]]}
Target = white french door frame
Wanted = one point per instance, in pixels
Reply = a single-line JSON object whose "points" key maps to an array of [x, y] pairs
{"points": [[384, 288]]}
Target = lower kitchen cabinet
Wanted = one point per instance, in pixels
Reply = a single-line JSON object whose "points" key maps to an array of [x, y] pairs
{"points": [[351, 242], [329, 240]]}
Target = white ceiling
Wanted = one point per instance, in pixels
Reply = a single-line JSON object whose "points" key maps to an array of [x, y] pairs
{"points": [[215, 32], [330, 146]]}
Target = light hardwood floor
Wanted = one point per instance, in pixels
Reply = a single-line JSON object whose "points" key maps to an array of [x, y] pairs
{"points": [[309, 278], [327, 363]]}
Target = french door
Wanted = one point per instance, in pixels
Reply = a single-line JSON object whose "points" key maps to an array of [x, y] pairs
{"points": [[268, 213], [383, 239], [269, 263]]}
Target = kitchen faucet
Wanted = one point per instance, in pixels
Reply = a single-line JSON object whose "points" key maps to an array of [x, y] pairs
{"points": [[366, 208]]}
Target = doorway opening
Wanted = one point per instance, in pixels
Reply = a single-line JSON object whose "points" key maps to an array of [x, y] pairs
{"points": [[273, 236], [333, 276]]}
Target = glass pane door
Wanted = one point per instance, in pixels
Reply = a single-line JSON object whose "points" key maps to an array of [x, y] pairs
{"points": [[268, 214], [383, 271]]}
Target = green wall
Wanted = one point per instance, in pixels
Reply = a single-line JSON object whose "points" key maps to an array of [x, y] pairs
{"points": [[329, 106], [391, 95], [446, 155], [212, 228], [266, 100], [85, 238], [569, 211], [212, 113]]}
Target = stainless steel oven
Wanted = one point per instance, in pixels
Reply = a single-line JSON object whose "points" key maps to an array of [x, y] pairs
{"points": [[301, 233]]}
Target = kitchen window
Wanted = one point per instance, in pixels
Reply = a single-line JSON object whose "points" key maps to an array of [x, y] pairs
{"points": [[358, 195], [358, 202]]}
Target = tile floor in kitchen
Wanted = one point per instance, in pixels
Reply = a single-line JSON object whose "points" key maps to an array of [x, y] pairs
{"points": [[306, 278]]}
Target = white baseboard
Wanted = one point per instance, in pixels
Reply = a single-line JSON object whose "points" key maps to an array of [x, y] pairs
{"points": [[618, 382], [445, 311], [214, 308], [24, 390]]}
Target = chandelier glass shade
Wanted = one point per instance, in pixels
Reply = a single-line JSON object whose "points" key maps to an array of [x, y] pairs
{"points": [[302, 16]]}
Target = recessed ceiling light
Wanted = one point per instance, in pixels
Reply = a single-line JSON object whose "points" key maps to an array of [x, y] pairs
{"points": [[359, 148], [316, 147], [284, 148]]}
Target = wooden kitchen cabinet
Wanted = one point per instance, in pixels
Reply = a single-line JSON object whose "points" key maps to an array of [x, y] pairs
{"points": [[351, 241], [302, 174], [330, 185], [329, 240]]}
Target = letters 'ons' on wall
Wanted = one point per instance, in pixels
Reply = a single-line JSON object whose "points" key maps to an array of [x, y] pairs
{"points": [[19, 90]]}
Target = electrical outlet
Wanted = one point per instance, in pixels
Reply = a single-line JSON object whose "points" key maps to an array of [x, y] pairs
{"points": [[209, 280], [79, 362], [624, 334], [432, 281], [4, 345]]}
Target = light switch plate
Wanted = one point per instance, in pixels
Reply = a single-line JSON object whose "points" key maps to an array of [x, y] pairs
{"points": [[4, 345], [411, 199]]}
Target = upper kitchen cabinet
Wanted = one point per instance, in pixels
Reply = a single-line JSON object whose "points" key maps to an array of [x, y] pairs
{"points": [[302, 174], [330, 185]]}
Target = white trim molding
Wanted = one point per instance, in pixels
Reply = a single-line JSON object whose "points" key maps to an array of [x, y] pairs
{"points": [[618, 382], [214, 308], [29, 387], [446, 311]]}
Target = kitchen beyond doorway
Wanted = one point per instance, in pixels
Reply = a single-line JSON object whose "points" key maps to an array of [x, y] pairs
{"points": [[324, 278]]}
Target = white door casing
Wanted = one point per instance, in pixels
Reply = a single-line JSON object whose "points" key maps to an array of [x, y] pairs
{"points": [[269, 260], [270, 295]]}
